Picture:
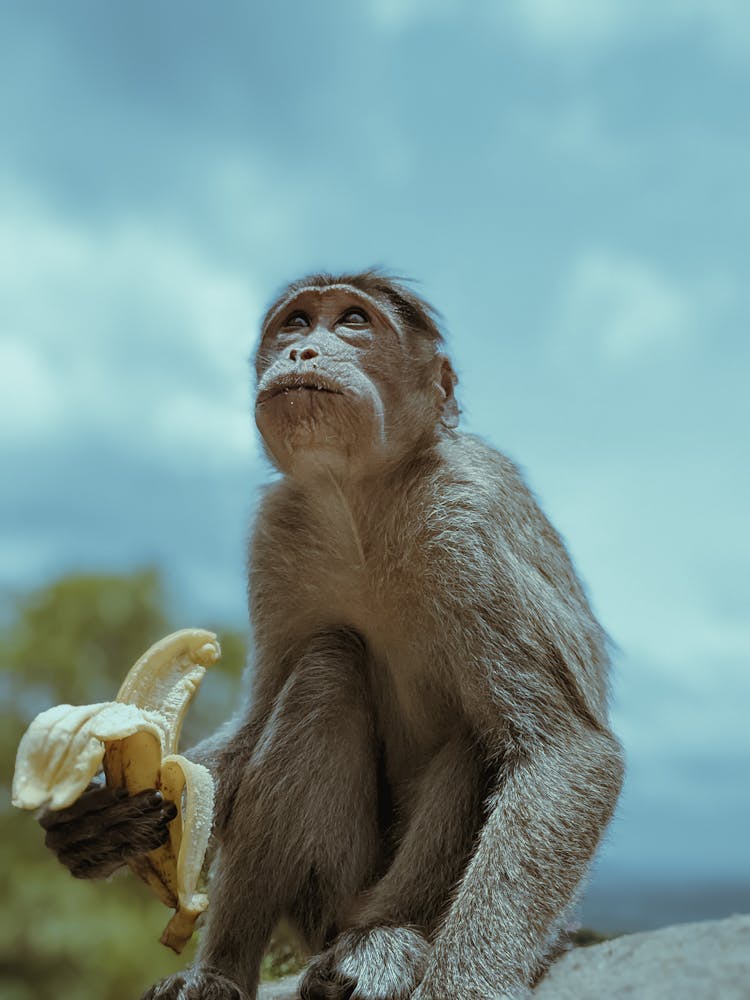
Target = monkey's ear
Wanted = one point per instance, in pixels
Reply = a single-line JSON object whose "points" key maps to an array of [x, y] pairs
{"points": [[445, 384]]}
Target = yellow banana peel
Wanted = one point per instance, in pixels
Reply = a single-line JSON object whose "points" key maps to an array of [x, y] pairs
{"points": [[135, 739]]}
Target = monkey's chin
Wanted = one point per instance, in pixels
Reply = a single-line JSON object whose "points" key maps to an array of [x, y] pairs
{"points": [[310, 441], [313, 461], [307, 453]]}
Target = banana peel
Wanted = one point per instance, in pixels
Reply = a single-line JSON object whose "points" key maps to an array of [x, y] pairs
{"points": [[135, 739]]}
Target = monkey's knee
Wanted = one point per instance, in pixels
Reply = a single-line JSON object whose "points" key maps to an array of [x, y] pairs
{"points": [[319, 742], [329, 678], [345, 643]]}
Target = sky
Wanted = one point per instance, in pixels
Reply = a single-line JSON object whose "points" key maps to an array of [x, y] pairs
{"points": [[566, 180]]}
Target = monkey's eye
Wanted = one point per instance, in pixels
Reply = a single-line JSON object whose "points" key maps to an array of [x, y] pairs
{"points": [[297, 320], [354, 317]]}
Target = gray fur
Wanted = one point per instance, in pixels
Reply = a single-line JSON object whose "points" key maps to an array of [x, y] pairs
{"points": [[480, 671], [426, 767]]}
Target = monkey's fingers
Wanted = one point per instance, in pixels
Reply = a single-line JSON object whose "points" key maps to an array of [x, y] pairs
{"points": [[128, 822], [98, 810], [94, 799], [91, 859], [86, 862], [101, 855], [124, 844]]}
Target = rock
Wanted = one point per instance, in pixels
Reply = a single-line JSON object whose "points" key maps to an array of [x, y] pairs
{"points": [[707, 961], [282, 989]]}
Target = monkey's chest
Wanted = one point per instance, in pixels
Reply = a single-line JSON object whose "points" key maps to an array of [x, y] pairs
{"points": [[410, 694], [342, 593]]}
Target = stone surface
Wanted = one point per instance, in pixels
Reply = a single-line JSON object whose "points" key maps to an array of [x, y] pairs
{"points": [[283, 989], [707, 961]]}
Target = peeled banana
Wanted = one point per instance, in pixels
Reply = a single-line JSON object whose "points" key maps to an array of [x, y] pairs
{"points": [[135, 739]]}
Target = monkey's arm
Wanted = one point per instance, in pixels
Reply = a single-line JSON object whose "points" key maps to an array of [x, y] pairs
{"points": [[226, 752], [546, 817], [445, 817], [211, 751], [533, 667]]}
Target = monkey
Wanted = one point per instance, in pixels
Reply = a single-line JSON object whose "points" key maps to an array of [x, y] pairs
{"points": [[426, 765]]}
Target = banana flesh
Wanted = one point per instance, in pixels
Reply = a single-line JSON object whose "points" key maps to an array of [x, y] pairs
{"points": [[135, 738]]}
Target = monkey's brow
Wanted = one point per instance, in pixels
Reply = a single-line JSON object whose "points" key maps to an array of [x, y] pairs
{"points": [[376, 304]]}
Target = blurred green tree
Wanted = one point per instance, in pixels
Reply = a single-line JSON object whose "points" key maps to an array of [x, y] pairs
{"points": [[76, 638], [73, 641]]}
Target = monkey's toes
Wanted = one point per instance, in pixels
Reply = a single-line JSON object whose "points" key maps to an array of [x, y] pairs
{"points": [[322, 982], [195, 985], [376, 963]]}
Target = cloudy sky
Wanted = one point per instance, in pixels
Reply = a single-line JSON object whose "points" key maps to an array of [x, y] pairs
{"points": [[568, 182]]}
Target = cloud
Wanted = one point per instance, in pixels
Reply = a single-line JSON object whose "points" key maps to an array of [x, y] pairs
{"points": [[557, 23], [79, 505], [624, 308], [30, 402], [572, 129], [583, 26], [398, 15], [121, 329], [126, 431]]}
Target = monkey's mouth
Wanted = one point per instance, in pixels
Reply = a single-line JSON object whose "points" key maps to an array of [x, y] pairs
{"points": [[298, 382]]}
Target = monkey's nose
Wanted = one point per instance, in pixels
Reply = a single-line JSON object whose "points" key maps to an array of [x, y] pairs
{"points": [[305, 355]]}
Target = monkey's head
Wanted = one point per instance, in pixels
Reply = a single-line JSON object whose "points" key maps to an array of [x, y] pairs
{"points": [[351, 376]]}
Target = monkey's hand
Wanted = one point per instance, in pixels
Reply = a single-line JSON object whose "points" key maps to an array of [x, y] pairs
{"points": [[195, 984], [377, 963], [134, 738], [105, 828]]}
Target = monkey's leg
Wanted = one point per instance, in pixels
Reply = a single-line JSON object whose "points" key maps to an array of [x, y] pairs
{"points": [[302, 835], [435, 848], [547, 816], [386, 951]]}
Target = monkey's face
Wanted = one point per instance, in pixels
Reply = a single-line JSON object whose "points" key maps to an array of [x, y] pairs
{"points": [[340, 384]]}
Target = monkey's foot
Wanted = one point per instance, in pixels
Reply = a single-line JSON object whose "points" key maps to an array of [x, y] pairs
{"points": [[195, 984], [379, 963]]}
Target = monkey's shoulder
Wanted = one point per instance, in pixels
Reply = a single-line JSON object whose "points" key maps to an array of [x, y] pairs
{"points": [[488, 475], [475, 519], [474, 488]]}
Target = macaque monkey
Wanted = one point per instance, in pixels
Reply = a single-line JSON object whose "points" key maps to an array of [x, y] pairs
{"points": [[426, 765]]}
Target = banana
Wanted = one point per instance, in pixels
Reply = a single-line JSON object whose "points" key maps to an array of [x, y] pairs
{"points": [[135, 738]]}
